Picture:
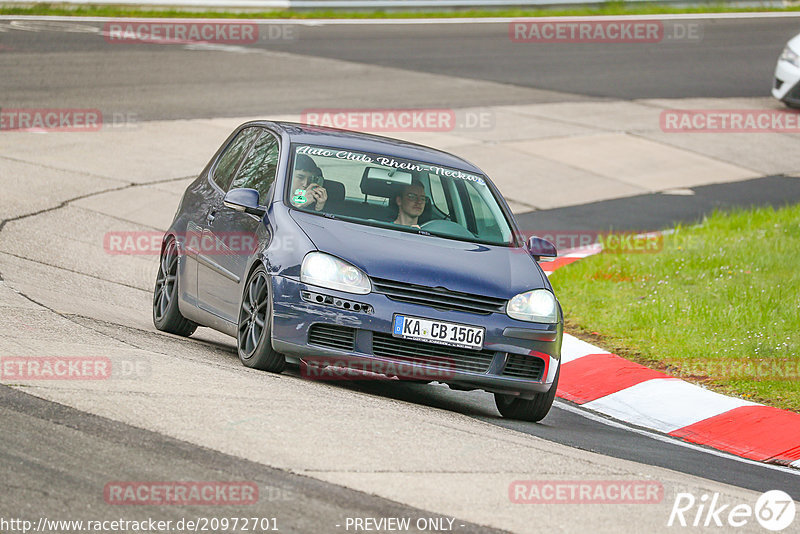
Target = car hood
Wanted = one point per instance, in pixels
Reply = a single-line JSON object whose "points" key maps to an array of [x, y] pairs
{"points": [[487, 270]]}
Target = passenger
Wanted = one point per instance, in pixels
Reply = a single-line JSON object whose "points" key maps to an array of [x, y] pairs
{"points": [[307, 190], [411, 203]]}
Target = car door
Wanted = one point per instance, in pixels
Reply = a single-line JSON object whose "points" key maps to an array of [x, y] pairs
{"points": [[234, 235], [198, 247]]}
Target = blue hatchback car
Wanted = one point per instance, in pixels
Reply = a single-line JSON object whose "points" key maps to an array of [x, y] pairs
{"points": [[329, 248]]}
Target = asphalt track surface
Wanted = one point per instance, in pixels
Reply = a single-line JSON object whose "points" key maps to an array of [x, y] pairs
{"points": [[728, 58], [78, 67], [658, 211], [56, 459], [733, 59], [567, 427]]}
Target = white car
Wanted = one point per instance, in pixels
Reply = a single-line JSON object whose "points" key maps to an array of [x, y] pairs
{"points": [[787, 74]]}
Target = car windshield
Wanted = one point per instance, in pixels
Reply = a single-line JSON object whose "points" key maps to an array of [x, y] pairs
{"points": [[396, 193]]}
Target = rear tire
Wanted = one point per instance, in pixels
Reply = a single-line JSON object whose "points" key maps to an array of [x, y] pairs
{"points": [[533, 410], [253, 335], [166, 315]]}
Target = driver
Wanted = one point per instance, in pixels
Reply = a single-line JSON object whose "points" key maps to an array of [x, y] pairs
{"points": [[307, 190], [411, 203]]}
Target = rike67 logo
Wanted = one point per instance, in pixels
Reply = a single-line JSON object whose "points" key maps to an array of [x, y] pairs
{"points": [[774, 510]]}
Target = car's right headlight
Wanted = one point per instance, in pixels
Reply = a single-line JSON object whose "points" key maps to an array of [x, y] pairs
{"points": [[791, 56], [324, 270], [537, 306]]}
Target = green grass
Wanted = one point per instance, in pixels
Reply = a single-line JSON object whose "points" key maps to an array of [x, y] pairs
{"points": [[608, 8], [718, 305]]}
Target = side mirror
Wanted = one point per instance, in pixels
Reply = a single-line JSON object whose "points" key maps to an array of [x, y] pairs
{"points": [[541, 248], [245, 200]]}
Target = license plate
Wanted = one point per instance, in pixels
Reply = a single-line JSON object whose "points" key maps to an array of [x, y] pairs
{"points": [[439, 332]]}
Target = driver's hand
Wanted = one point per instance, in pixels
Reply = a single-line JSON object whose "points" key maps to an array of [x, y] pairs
{"points": [[317, 194]]}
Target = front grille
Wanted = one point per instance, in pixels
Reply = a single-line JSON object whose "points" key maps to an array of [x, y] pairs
{"points": [[438, 297], [520, 366], [332, 336], [407, 350]]}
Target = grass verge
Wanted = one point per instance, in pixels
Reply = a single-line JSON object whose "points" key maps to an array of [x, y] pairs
{"points": [[718, 305], [608, 8]]}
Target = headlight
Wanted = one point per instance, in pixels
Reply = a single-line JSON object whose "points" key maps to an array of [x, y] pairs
{"points": [[537, 306], [324, 270], [791, 56]]}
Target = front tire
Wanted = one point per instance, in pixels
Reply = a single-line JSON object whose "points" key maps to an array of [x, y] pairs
{"points": [[533, 410], [254, 337], [166, 315]]}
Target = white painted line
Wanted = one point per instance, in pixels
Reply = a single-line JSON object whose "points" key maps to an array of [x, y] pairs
{"points": [[375, 22], [217, 47], [665, 404], [573, 348], [562, 405]]}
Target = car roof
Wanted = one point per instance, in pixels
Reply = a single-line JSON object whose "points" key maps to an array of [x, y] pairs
{"points": [[376, 144]]}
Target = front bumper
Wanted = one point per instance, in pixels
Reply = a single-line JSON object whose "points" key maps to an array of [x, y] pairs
{"points": [[786, 85], [518, 358]]}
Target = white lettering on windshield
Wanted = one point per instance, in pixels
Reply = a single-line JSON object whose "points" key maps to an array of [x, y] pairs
{"points": [[389, 162], [314, 151], [344, 154], [405, 165], [340, 154], [456, 174]]}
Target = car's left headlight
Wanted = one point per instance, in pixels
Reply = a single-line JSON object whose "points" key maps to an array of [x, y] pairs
{"points": [[791, 56], [537, 306], [324, 270]]}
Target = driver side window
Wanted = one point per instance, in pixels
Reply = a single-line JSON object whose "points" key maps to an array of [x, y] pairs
{"points": [[229, 161], [260, 167]]}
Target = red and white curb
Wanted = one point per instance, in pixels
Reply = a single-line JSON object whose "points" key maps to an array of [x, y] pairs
{"points": [[608, 384]]}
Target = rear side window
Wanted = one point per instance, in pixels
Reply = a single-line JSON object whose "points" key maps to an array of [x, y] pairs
{"points": [[259, 167], [230, 159]]}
